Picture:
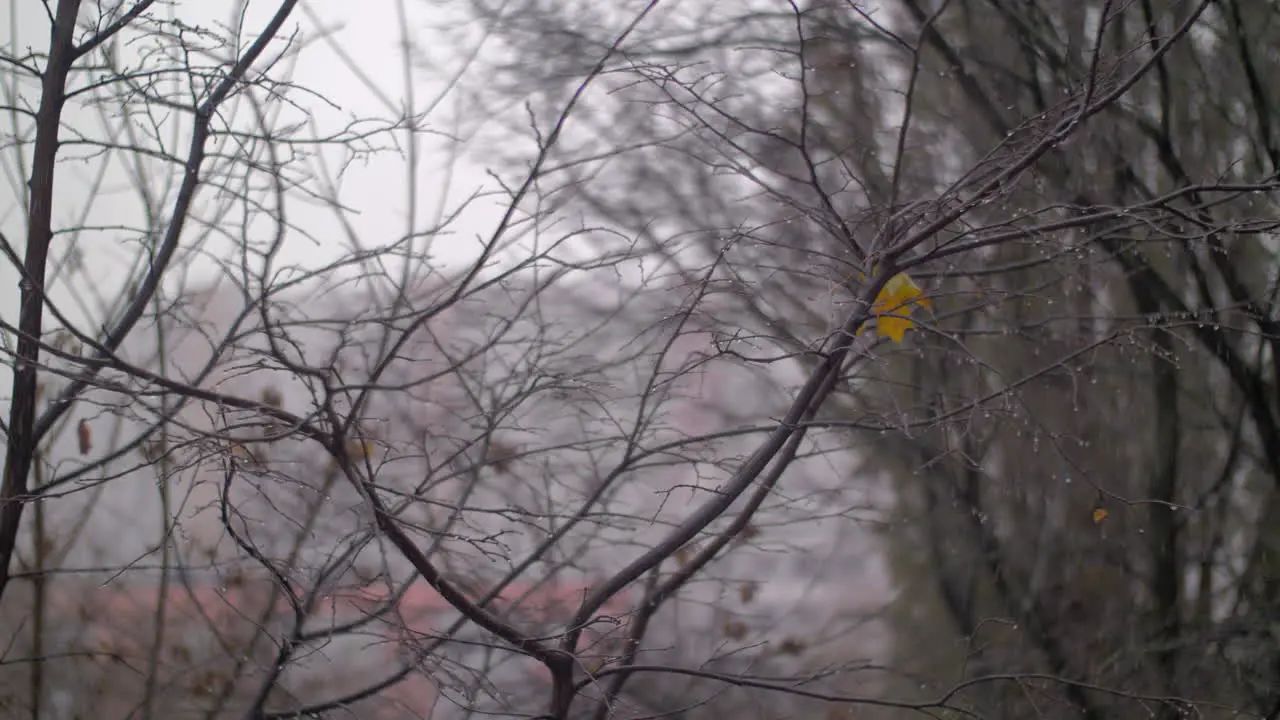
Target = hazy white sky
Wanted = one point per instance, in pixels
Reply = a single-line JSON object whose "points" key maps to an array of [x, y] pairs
{"points": [[375, 189]]}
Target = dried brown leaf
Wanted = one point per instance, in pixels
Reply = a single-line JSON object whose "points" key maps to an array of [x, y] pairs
{"points": [[272, 396], [84, 434]]}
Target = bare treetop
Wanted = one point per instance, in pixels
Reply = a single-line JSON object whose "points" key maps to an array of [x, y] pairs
{"points": [[641, 359]]}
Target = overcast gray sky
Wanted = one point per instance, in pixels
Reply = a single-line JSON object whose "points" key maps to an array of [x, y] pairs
{"points": [[375, 189]]}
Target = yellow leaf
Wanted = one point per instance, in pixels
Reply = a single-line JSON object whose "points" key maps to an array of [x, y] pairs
{"points": [[359, 447], [893, 326], [898, 293], [893, 307], [1099, 514]]}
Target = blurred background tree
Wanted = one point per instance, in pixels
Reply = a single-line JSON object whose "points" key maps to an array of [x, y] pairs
{"points": [[1082, 443]]}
